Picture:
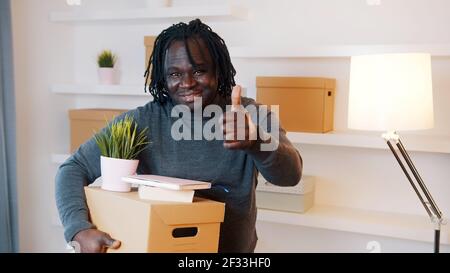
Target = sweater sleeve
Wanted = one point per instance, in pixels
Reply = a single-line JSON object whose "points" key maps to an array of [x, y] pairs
{"points": [[80, 170], [274, 155]]}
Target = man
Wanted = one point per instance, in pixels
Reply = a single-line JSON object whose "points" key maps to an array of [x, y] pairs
{"points": [[190, 64]]}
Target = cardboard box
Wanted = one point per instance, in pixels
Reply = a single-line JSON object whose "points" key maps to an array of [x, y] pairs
{"points": [[83, 123], [149, 41], [306, 104], [156, 226], [299, 198]]}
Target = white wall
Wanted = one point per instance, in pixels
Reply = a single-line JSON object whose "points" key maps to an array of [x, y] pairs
{"points": [[41, 55], [47, 53]]}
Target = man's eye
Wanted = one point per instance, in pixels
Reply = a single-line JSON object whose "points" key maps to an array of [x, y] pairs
{"points": [[199, 72], [175, 74]]}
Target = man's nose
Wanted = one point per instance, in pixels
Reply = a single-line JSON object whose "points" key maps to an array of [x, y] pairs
{"points": [[187, 80]]}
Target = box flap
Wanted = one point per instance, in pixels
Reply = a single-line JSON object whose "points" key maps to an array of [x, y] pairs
{"points": [[302, 82], [200, 211], [95, 114]]}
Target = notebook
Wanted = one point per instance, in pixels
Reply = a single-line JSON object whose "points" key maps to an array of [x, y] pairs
{"points": [[166, 182]]}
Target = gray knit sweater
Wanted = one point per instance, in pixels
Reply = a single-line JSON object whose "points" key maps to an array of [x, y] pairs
{"points": [[233, 174]]}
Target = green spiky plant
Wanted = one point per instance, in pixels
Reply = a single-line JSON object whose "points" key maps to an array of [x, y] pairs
{"points": [[106, 59], [121, 140]]}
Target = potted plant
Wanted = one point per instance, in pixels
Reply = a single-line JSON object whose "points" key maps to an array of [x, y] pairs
{"points": [[120, 144], [106, 61]]}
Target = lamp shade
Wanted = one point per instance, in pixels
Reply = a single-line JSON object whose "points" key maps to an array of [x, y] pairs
{"points": [[390, 92]]}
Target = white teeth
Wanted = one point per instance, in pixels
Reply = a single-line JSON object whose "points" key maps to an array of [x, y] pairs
{"points": [[189, 98]]}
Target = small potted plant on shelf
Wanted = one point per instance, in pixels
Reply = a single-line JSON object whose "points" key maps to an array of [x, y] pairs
{"points": [[106, 61], [120, 144]]}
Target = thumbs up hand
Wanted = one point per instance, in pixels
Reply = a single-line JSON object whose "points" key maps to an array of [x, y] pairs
{"points": [[238, 129], [236, 98]]}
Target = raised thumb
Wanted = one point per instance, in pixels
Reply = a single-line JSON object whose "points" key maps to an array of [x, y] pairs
{"points": [[236, 96]]}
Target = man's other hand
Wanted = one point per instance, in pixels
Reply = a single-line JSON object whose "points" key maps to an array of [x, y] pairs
{"points": [[95, 241]]}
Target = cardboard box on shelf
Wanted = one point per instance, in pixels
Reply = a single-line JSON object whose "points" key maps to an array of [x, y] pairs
{"points": [[149, 42], [83, 123], [299, 198], [156, 226], [306, 104]]}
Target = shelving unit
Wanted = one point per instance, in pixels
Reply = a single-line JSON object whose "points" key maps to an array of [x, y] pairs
{"points": [[94, 89], [402, 226], [418, 143], [107, 90], [338, 51], [433, 144], [182, 12], [395, 225]]}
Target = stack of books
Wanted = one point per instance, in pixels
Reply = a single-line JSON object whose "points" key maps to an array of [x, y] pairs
{"points": [[164, 188]]}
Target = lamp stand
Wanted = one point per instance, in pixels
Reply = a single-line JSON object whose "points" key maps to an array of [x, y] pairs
{"points": [[422, 192]]}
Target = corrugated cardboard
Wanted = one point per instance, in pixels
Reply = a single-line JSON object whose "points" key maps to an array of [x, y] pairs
{"points": [[83, 123], [149, 41], [155, 226], [306, 104]]}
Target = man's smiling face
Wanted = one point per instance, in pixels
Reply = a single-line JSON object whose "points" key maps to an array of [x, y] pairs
{"points": [[186, 80]]}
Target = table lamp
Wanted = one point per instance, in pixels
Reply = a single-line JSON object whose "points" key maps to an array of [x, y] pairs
{"points": [[390, 93]]}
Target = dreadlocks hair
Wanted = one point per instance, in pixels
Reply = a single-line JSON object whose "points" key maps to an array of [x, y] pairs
{"points": [[195, 30]]}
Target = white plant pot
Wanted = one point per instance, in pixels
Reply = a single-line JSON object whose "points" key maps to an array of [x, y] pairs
{"points": [[113, 169], [106, 75]]}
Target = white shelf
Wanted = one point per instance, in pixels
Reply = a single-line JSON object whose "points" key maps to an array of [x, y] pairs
{"points": [[212, 11], [431, 144], [95, 89], [418, 143], [337, 51], [111, 90], [402, 226]]}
